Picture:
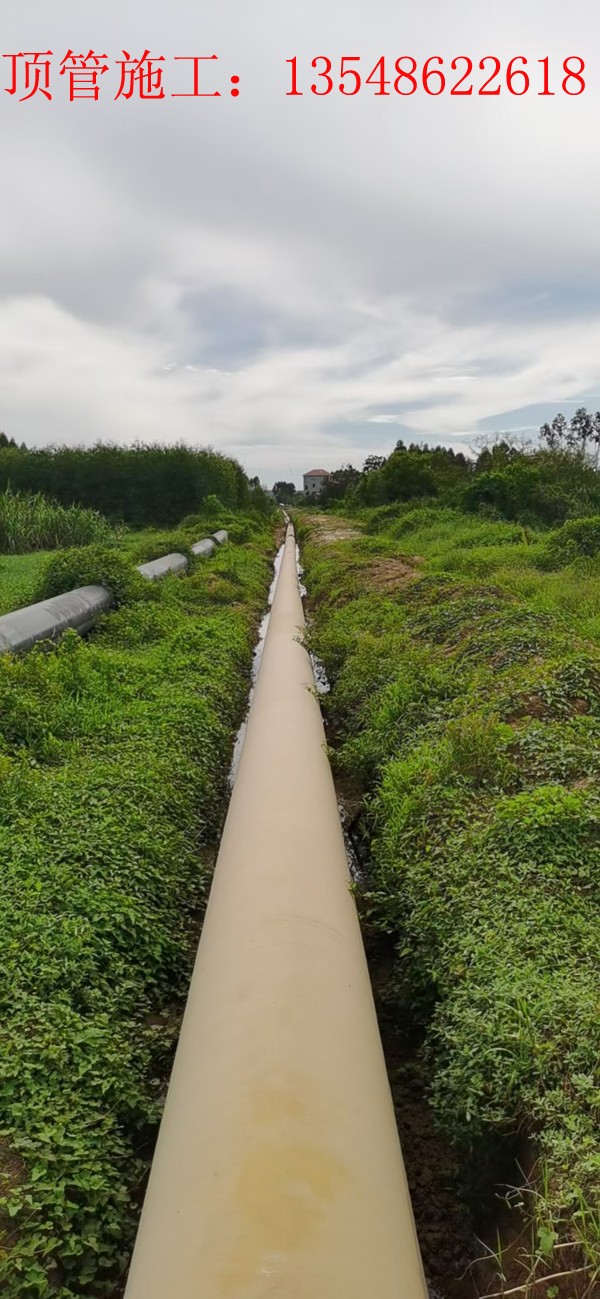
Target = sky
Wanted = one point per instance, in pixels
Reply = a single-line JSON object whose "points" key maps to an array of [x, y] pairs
{"points": [[297, 281]]}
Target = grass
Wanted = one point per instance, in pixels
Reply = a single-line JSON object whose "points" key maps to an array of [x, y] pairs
{"points": [[492, 550], [20, 575], [32, 525], [465, 709], [572, 595], [114, 755], [19, 579], [33, 522]]}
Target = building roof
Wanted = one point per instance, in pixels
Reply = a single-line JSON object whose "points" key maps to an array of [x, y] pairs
{"points": [[317, 473]]}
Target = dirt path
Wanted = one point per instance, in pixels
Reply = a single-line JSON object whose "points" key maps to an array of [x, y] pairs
{"points": [[327, 528]]}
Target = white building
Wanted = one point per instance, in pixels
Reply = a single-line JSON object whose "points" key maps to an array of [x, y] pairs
{"points": [[314, 481]]}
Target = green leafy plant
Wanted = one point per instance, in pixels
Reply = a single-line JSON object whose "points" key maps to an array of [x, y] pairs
{"points": [[114, 755], [465, 710], [578, 538], [88, 566]]}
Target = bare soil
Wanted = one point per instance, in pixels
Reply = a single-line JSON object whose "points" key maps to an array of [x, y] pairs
{"points": [[326, 528], [391, 573]]}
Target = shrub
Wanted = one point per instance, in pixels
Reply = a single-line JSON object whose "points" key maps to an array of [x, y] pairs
{"points": [[545, 488], [576, 539], [158, 544], [90, 566]]}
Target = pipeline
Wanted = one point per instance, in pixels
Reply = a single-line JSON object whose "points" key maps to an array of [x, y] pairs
{"points": [[206, 547], [48, 619], [156, 568], [177, 563], [256, 662], [79, 610], [278, 1172]]}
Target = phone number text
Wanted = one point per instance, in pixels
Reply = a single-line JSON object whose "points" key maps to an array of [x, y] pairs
{"points": [[351, 74]]}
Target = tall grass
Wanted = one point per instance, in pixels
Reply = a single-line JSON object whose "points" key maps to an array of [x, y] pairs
{"points": [[36, 523]]}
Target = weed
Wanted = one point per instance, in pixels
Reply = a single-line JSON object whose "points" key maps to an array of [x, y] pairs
{"points": [[114, 755], [92, 565], [466, 706]]}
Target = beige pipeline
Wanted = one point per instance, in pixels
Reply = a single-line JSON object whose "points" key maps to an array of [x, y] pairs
{"points": [[278, 1172]]}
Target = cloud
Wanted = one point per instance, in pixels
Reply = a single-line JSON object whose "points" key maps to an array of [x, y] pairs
{"points": [[296, 279]]}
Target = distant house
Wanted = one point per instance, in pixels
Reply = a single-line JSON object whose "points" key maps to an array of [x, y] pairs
{"points": [[315, 480]]}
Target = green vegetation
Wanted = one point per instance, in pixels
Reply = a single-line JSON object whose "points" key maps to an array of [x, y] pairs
{"points": [[36, 523], [19, 579], [116, 550], [114, 755], [464, 658], [68, 569], [140, 485], [413, 472], [544, 488], [507, 480]]}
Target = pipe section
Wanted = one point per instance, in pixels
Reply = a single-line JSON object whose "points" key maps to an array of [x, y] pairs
{"points": [[81, 608], [221, 536], [156, 568], [50, 618], [278, 1172], [206, 547]]}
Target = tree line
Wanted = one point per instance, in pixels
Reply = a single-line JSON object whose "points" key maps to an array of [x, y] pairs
{"points": [[139, 485], [577, 434], [544, 485]]}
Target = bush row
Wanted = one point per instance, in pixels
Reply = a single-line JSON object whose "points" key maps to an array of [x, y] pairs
{"points": [[531, 487], [140, 485]]}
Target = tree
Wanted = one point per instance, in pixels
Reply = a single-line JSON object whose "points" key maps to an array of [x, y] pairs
{"points": [[284, 492], [372, 463], [497, 453], [596, 435], [574, 436], [339, 483], [547, 436], [581, 430], [545, 487], [406, 474], [559, 428], [142, 484]]}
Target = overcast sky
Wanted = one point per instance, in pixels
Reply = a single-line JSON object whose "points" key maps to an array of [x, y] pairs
{"points": [[297, 281]]}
